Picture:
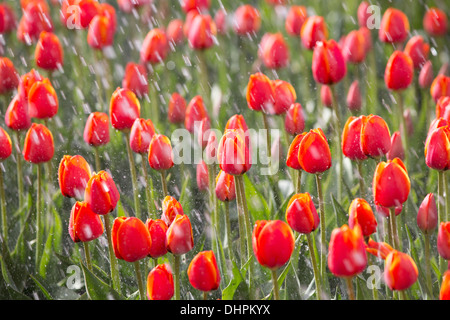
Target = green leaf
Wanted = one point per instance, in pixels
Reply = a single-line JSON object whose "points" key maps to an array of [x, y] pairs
{"points": [[40, 286], [256, 203], [339, 212], [228, 292], [46, 255], [97, 289]]}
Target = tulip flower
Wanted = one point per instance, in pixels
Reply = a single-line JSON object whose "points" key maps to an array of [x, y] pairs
{"points": [[443, 108], [314, 29], [200, 5], [203, 132], [170, 209], [108, 11], [360, 213], [27, 81], [443, 240], [400, 271], [437, 149], [42, 100], [157, 229], [202, 32], [328, 64], [73, 175], [353, 49], [38, 146], [225, 187], [96, 130], [202, 176], [445, 287], [220, 19], [363, 13], [5, 152], [427, 216], [84, 224], [203, 272], [397, 150], [426, 75], [49, 54], [160, 157], [8, 18], [177, 108], [418, 51], [294, 122], [141, 134], [292, 159], [135, 79], [375, 136], [440, 87], [301, 214], [155, 47], [260, 93], [394, 26], [347, 254], [8, 75], [351, 139], [237, 121], [354, 99], [274, 51], [314, 153], [247, 20], [35, 19], [435, 22], [326, 96], [234, 152], [160, 283], [174, 31], [195, 113], [124, 109], [294, 20], [399, 71], [284, 96], [17, 117], [101, 193]]}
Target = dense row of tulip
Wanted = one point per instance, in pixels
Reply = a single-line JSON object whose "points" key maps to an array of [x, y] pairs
{"points": [[159, 236]]}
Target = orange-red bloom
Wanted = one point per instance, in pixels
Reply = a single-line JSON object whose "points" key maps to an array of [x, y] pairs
{"points": [[301, 214], [363, 13], [292, 160], [7, 18], [351, 139], [5, 144], [160, 156], [177, 108], [247, 20], [418, 50], [155, 47], [273, 243], [237, 121], [314, 29], [443, 108], [225, 187], [260, 93], [399, 70], [49, 54], [233, 152], [135, 79], [440, 87], [198, 5], [131, 239], [96, 130], [294, 20], [443, 240], [274, 51], [326, 96], [427, 216], [354, 47], [294, 122], [378, 249], [157, 229], [284, 95], [394, 26], [73, 175], [203, 272], [202, 32], [124, 109], [375, 136], [360, 213], [84, 224], [437, 148], [397, 150], [38, 146], [195, 113], [400, 271], [220, 19], [170, 209], [354, 99], [160, 284], [202, 176], [174, 31], [16, 116], [444, 294], [347, 252], [314, 153], [179, 236], [141, 134], [391, 183], [435, 22], [328, 65], [35, 19], [8, 75], [101, 193], [27, 81], [426, 75], [42, 100], [101, 32]]}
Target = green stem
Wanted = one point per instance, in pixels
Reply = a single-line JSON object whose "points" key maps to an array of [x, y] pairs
{"points": [[213, 205], [112, 258], [164, 183], [98, 166], [362, 188], [205, 295], [350, 290], [137, 206], [337, 130], [241, 221], [317, 281], [298, 183], [393, 218], [228, 226], [276, 293], [148, 191], [19, 170], [323, 246], [38, 215], [441, 210], [428, 265], [177, 276], [3, 207], [153, 96], [137, 269], [87, 255], [204, 81], [403, 128], [374, 289], [447, 204]]}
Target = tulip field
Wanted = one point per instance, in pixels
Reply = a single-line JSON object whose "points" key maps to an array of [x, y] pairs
{"points": [[224, 150]]}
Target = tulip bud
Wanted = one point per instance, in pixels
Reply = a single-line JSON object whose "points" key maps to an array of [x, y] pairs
{"points": [[400, 271], [155, 47], [443, 240], [49, 54], [88, 9], [84, 224], [294, 20], [203, 132], [157, 229], [328, 65], [212, 145], [313, 30], [8, 75], [314, 153], [437, 149], [379, 249], [160, 156], [273, 51], [177, 108], [38, 146], [435, 22], [426, 75], [397, 150], [437, 123], [391, 183], [101, 193], [375, 136], [351, 139], [160, 284], [398, 74], [131, 239], [135, 79], [427, 216], [247, 20], [260, 93], [170, 209], [5, 144], [443, 108], [16, 116], [203, 272], [174, 31], [195, 113], [73, 175], [225, 187], [233, 152], [346, 252], [354, 100], [360, 213], [292, 160], [197, 5], [301, 214], [284, 96], [418, 50], [96, 130], [141, 134], [124, 109], [353, 49], [294, 122], [363, 13], [237, 121], [220, 19], [326, 96], [273, 243], [445, 287], [35, 19], [394, 27], [27, 81], [108, 11], [179, 239], [42, 100], [8, 18], [440, 87], [202, 32], [202, 176]]}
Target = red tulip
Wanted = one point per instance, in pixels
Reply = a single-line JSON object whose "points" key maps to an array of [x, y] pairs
{"points": [[427, 216], [360, 213], [351, 139], [247, 20], [314, 29], [328, 66], [155, 47], [16, 116], [314, 153], [273, 243], [237, 121], [391, 183], [195, 113], [141, 134], [35, 19], [160, 156], [400, 271], [225, 187], [274, 51], [440, 87], [73, 175], [203, 272], [27, 81], [203, 132], [84, 224], [131, 239], [107, 10], [301, 214], [96, 130], [435, 22], [399, 70], [38, 146], [177, 108], [101, 193], [260, 93], [42, 100], [375, 136], [367, 36], [200, 5], [202, 176], [418, 50], [234, 152], [354, 49], [397, 150], [49, 54], [127, 6], [157, 229], [363, 13], [294, 122], [437, 149], [443, 108], [5, 144], [170, 209], [426, 75], [7, 18], [379, 249], [160, 284], [394, 26], [202, 32], [326, 96], [220, 19], [135, 79], [124, 109], [444, 294], [210, 153], [179, 239], [8, 75], [354, 100], [88, 9], [292, 160], [443, 240], [284, 96], [346, 252], [174, 31], [294, 20]]}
